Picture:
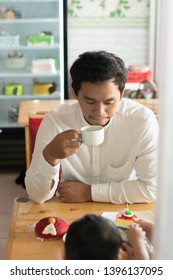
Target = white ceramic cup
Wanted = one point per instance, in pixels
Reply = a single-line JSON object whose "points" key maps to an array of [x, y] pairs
{"points": [[92, 135]]}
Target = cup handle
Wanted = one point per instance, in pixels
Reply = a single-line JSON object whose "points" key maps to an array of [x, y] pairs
{"points": [[77, 139]]}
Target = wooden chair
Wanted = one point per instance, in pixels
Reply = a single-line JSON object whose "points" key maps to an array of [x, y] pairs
{"points": [[29, 110], [34, 122]]}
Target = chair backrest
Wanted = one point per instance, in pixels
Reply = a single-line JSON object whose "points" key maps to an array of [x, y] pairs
{"points": [[34, 123]]}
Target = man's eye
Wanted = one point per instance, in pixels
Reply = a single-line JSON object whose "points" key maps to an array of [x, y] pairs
{"points": [[109, 102], [90, 102]]}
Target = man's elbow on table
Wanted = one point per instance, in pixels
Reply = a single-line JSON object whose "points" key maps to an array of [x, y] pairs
{"points": [[37, 198], [35, 195]]}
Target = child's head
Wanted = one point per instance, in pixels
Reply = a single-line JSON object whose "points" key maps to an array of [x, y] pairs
{"points": [[92, 238]]}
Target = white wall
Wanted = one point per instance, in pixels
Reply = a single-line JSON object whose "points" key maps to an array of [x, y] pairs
{"points": [[132, 36]]}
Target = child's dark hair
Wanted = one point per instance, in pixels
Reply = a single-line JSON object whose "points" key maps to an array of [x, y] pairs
{"points": [[92, 238], [97, 67]]}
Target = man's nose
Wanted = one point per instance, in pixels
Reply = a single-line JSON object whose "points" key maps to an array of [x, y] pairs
{"points": [[100, 109]]}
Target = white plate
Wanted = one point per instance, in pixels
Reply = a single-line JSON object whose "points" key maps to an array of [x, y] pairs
{"points": [[64, 237], [145, 215]]}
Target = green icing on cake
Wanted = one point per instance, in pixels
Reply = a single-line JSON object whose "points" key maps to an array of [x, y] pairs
{"points": [[37, 39], [128, 212]]}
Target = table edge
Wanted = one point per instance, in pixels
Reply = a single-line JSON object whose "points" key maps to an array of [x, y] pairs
{"points": [[11, 233]]}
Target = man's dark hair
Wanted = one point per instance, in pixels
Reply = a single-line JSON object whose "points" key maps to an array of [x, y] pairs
{"points": [[92, 238], [96, 67]]}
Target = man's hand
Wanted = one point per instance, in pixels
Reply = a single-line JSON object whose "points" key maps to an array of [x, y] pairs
{"points": [[71, 191], [62, 146]]}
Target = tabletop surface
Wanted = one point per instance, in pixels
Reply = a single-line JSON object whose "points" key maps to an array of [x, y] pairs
{"points": [[27, 108], [22, 242]]}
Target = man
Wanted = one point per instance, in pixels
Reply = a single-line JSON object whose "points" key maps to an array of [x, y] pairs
{"points": [[120, 170]]}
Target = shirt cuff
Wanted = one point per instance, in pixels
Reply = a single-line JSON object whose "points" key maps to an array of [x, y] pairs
{"points": [[100, 192]]}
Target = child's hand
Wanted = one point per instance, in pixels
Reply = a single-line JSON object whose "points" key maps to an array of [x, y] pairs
{"points": [[135, 247], [135, 234], [146, 226], [129, 249]]}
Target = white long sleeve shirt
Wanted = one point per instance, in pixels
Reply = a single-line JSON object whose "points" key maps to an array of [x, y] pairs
{"points": [[122, 169]]}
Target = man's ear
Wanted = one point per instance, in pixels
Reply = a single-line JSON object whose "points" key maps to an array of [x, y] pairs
{"points": [[74, 94]]}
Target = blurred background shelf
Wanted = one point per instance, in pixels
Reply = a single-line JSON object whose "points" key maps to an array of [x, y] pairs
{"points": [[14, 34]]}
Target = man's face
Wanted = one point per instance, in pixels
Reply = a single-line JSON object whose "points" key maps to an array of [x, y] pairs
{"points": [[99, 101]]}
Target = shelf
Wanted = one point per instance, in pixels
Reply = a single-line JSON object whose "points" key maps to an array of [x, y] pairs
{"points": [[29, 75], [30, 97], [33, 17], [4, 124], [132, 86], [29, 20], [32, 48], [30, 1]]}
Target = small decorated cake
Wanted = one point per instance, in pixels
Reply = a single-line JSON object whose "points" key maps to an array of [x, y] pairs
{"points": [[125, 217], [9, 40], [40, 40], [13, 89], [43, 65], [43, 88], [51, 228], [15, 61]]}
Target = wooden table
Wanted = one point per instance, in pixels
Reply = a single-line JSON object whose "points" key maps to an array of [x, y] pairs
{"points": [[23, 244], [27, 108], [150, 103]]}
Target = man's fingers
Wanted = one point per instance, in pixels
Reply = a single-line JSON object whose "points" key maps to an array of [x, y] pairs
{"points": [[76, 140]]}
